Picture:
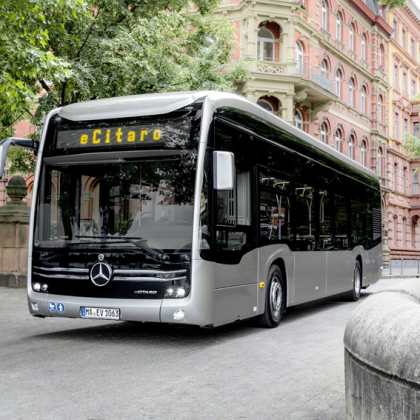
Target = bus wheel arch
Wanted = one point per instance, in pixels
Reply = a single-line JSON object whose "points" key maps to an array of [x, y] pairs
{"points": [[274, 298], [354, 294]]}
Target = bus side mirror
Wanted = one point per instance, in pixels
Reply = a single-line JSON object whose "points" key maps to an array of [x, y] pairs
{"points": [[223, 171], [15, 141]]}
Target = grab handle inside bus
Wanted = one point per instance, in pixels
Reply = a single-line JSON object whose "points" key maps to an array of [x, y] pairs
{"points": [[223, 171], [15, 141]]}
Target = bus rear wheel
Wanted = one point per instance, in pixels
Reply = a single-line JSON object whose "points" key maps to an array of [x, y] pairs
{"points": [[275, 299], [354, 294]]}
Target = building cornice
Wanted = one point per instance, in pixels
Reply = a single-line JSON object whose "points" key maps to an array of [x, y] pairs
{"points": [[374, 20], [343, 57]]}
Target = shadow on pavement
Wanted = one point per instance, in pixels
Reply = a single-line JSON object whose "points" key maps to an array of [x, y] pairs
{"points": [[185, 335]]}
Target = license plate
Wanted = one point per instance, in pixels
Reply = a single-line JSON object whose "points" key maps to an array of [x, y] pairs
{"points": [[100, 313]]}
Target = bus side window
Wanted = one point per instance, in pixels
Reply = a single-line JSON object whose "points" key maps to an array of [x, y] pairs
{"points": [[304, 217], [341, 240], [358, 226], [325, 221]]}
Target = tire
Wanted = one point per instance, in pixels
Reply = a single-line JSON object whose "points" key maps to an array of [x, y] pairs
{"points": [[275, 299], [354, 294]]}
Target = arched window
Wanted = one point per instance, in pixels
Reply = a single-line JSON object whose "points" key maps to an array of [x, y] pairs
{"points": [[323, 133], [324, 68], [299, 57], [380, 158], [338, 141], [338, 83], [363, 100], [338, 27], [351, 38], [265, 48], [364, 47], [351, 93], [298, 120], [265, 104], [381, 50], [324, 15], [363, 152], [380, 108], [351, 147]]}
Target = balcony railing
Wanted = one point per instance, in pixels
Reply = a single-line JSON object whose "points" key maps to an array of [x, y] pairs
{"points": [[308, 72], [302, 69]]}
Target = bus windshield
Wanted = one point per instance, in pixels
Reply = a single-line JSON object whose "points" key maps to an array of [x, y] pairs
{"points": [[146, 203]]}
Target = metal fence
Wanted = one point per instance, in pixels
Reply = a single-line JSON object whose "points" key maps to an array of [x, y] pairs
{"points": [[403, 267]]}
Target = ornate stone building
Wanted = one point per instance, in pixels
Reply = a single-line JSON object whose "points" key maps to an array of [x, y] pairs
{"points": [[321, 65], [402, 200]]}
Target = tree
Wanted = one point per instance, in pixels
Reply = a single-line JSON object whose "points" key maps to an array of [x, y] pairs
{"points": [[393, 4], [109, 48], [410, 143]]}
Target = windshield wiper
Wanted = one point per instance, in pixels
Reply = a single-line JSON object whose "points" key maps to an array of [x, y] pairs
{"points": [[160, 255]]}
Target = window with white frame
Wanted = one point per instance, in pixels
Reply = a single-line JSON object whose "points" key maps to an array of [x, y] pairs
{"points": [[396, 76], [363, 154], [405, 83], [363, 100], [394, 233], [338, 27], [299, 57], [265, 104], [351, 93], [298, 120], [413, 88], [380, 108], [338, 141], [403, 38], [351, 147], [265, 48], [380, 157], [412, 47], [415, 182], [396, 126], [324, 68], [324, 15], [338, 83], [364, 47], [380, 55], [404, 174], [351, 38], [323, 133], [394, 27], [402, 232], [395, 177]]}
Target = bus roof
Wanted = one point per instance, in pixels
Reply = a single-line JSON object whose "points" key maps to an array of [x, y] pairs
{"points": [[164, 103]]}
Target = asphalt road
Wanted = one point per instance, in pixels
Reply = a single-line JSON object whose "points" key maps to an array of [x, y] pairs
{"points": [[85, 369]]}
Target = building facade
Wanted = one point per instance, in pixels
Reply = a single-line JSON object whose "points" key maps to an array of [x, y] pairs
{"points": [[402, 200]]}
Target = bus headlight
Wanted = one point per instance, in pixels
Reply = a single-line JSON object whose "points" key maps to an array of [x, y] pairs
{"points": [[44, 287], [36, 287]]}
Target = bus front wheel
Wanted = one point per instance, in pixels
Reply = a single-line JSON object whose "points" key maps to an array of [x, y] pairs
{"points": [[275, 299], [354, 294]]}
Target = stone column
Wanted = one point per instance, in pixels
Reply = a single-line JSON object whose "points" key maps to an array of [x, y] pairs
{"points": [[14, 230]]}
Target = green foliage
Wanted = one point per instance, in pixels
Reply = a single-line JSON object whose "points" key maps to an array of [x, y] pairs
{"points": [[23, 161], [25, 30], [393, 3], [410, 143]]}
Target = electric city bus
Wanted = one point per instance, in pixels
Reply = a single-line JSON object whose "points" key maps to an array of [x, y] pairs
{"points": [[193, 208]]}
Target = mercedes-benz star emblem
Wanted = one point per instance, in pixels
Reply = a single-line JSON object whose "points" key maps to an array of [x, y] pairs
{"points": [[101, 274]]}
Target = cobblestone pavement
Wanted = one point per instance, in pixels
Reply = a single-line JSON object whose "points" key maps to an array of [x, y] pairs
{"points": [[84, 369]]}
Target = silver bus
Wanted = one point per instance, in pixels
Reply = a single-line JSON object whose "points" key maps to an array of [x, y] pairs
{"points": [[193, 208]]}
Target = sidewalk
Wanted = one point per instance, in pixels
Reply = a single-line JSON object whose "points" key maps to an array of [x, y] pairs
{"points": [[401, 271]]}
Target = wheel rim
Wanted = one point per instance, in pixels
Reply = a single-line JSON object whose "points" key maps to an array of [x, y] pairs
{"points": [[357, 281], [276, 297]]}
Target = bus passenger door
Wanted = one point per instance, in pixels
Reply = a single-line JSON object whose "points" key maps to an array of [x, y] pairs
{"points": [[310, 263], [235, 254]]}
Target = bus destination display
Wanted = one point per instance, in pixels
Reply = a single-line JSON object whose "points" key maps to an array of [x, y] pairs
{"points": [[170, 133]]}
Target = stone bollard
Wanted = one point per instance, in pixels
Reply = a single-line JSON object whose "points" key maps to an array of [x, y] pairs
{"points": [[14, 230], [382, 355]]}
